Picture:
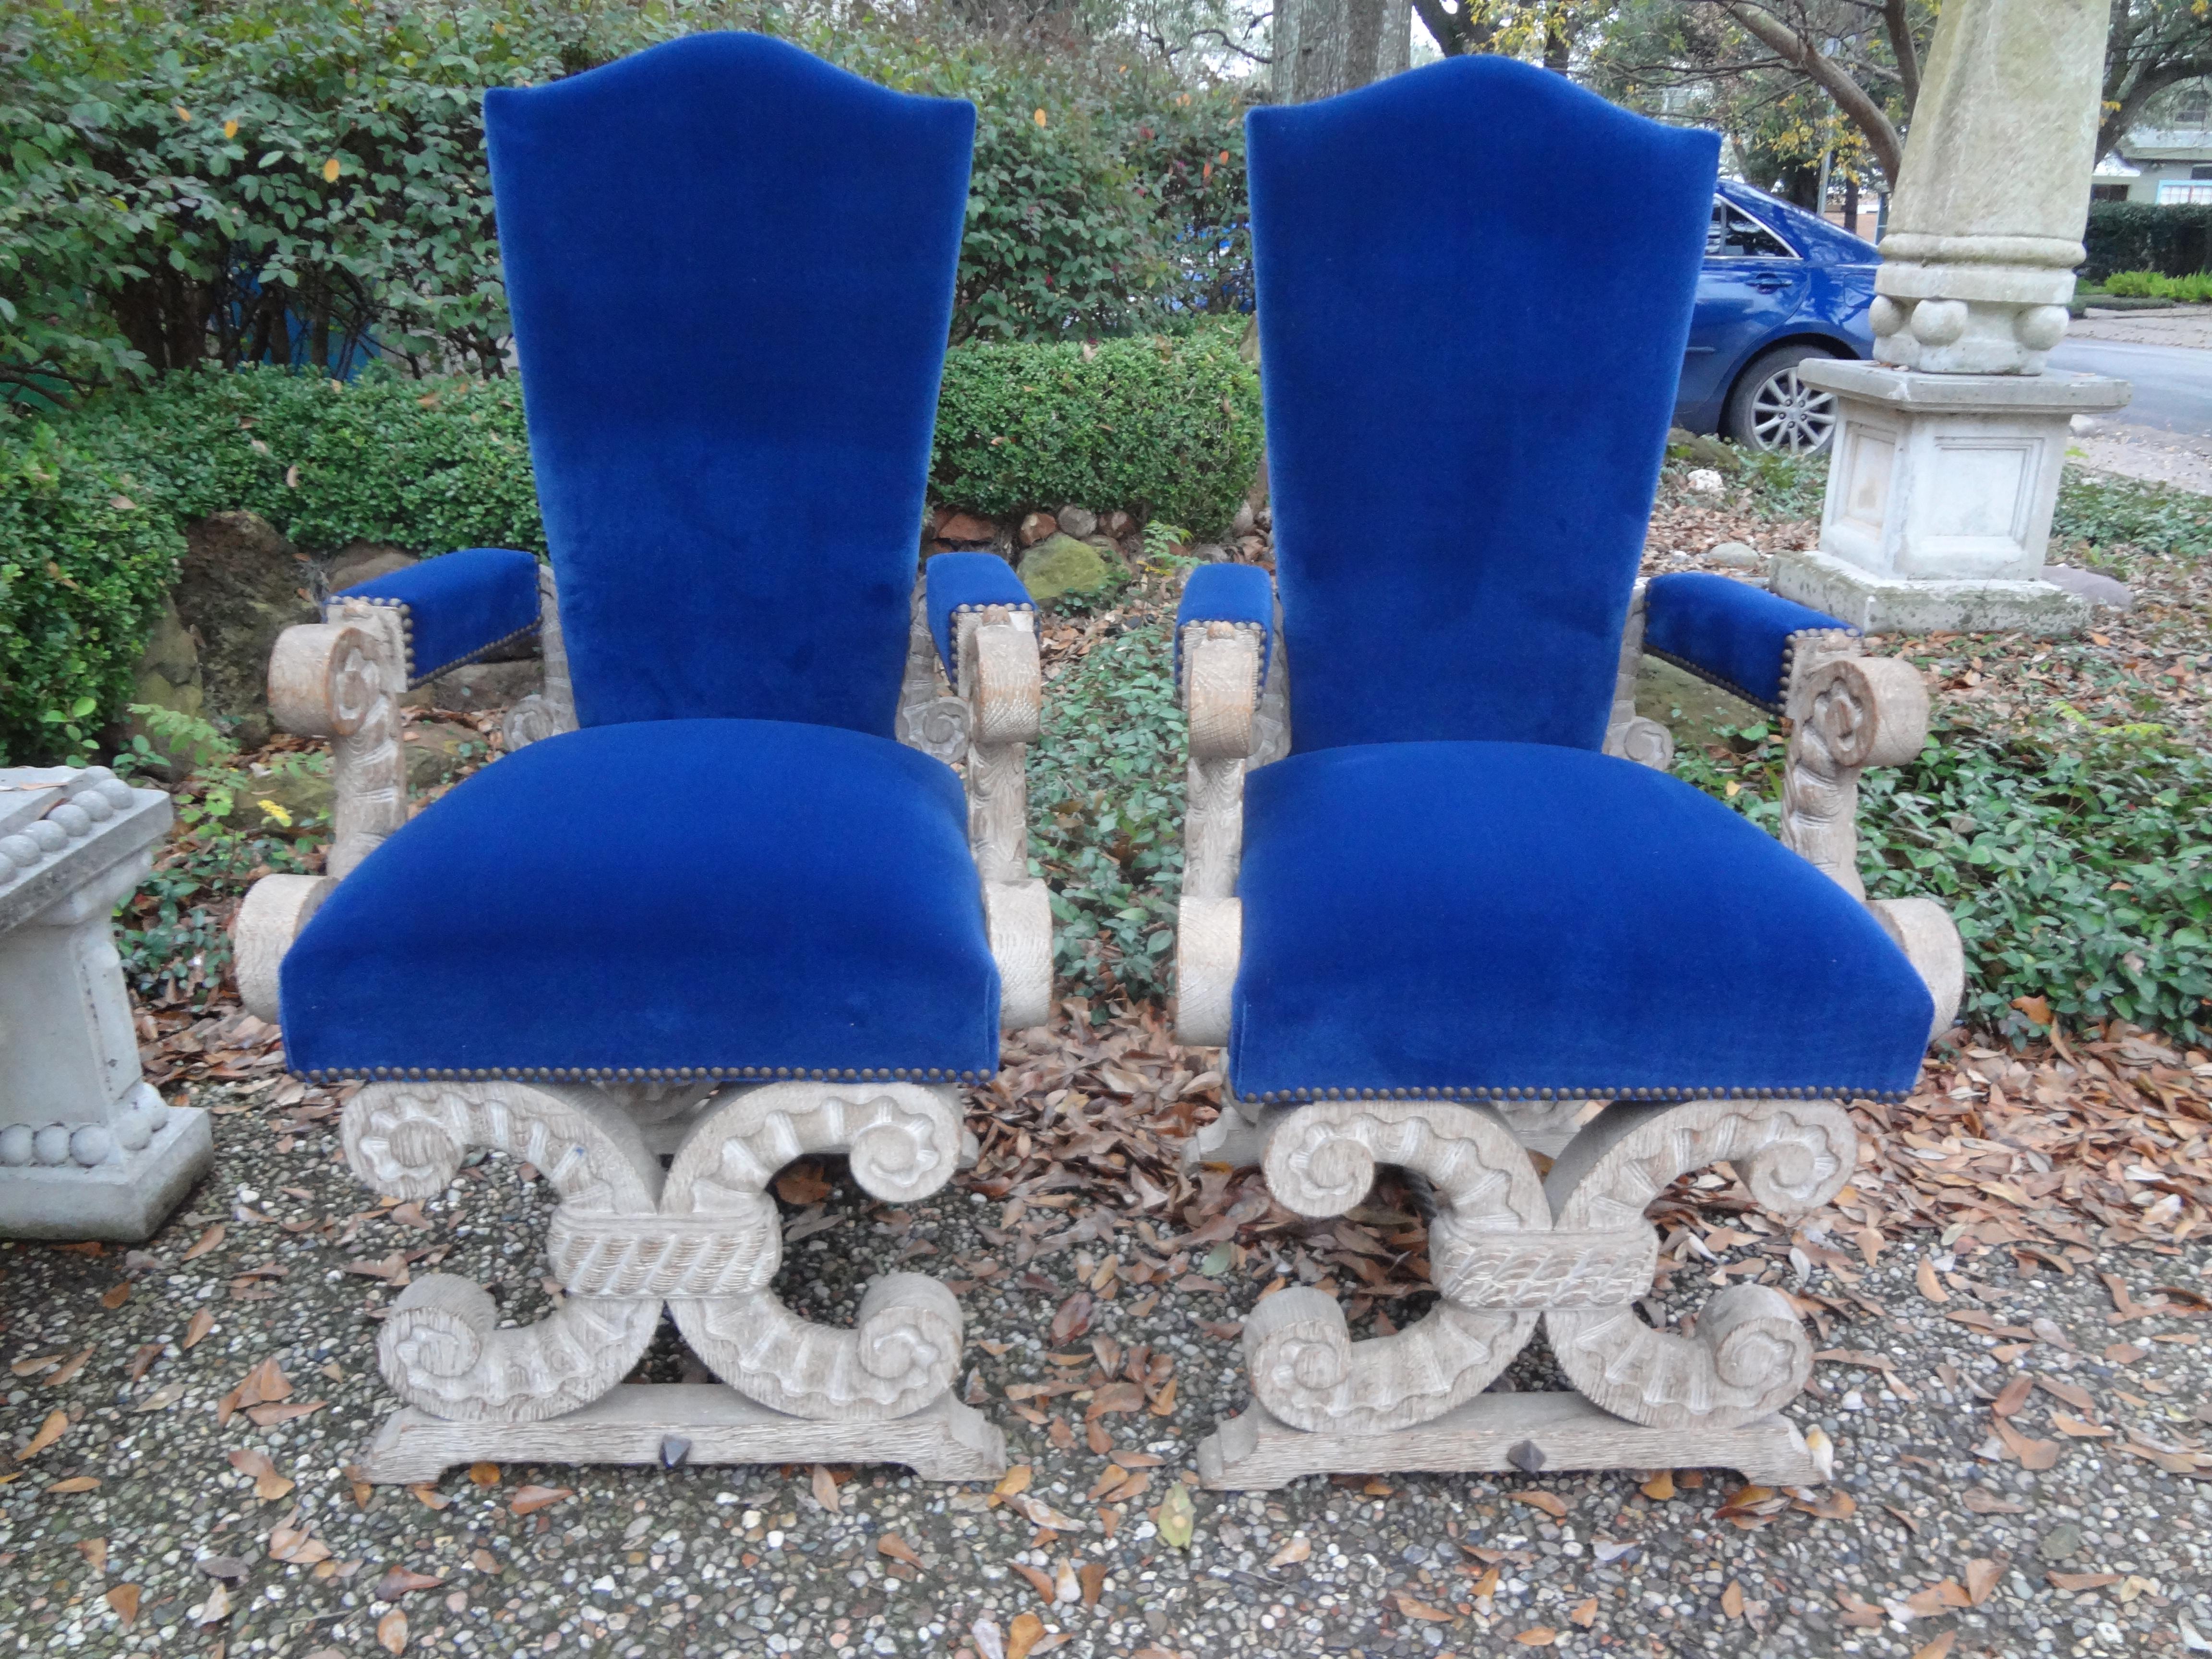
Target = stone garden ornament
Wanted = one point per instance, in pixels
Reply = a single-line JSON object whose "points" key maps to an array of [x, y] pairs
{"points": [[727, 905], [87, 1148], [1442, 903]]}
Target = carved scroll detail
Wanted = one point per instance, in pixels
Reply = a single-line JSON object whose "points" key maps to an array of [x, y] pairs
{"points": [[1750, 1355], [929, 719], [341, 679], [904, 1143], [1002, 683], [1857, 712], [441, 1348], [1321, 1161]]}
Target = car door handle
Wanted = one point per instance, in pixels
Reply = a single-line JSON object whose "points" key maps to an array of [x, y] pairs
{"points": [[1772, 284]]}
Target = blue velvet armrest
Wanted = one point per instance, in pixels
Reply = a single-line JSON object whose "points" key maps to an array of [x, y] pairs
{"points": [[1231, 594], [1738, 636], [954, 582], [456, 605]]}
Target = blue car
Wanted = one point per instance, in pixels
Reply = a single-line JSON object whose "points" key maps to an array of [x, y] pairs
{"points": [[1780, 285]]}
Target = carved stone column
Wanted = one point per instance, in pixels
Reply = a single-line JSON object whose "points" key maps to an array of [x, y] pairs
{"points": [[86, 1149], [1948, 448]]}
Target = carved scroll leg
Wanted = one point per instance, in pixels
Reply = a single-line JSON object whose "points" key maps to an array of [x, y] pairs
{"points": [[1209, 944], [904, 1142], [1750, 1355], [1321, 1161], [441, 1349], [1017, 915]]}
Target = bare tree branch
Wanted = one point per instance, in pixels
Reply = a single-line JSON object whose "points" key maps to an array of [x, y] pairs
{"points": [[1858, 108]]}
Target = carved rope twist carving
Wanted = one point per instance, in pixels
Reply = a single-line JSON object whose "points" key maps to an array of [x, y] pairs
{"points": [[904, 1142], [1578, 1250], [707, 1244]]}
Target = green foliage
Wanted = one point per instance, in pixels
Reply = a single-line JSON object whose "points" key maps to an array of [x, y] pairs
{"points": [[2103, 509], [1166, 426], [173, 932], [2195, 288], [84, 560], [2076, 864], [2174, 239], [285, 180], [1106, 805]]}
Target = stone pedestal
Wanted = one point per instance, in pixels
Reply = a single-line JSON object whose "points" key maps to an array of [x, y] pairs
{"points": [[1940, 498], [86, 1149]]}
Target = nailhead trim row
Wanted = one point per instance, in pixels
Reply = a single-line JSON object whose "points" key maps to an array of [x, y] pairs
{"points": [[1788, 667], [640, 1074], [407, 628], [1301, 1096]]}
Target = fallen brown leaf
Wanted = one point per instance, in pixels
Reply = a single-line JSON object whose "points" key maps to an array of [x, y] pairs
{"points": [[402, 1581], [824, 1486], [116, 1296], [898, 1548], [391, 1631], [1982, 1577], [1541, 1636], [1422, 1610], [206, 1242], [1585, 1612], [2083, 1580], [2013, 1394], [49, 1431], [484, 1474], [123, 1598], [1024, 1634], [76, 1483], [1732, 1599], [1930, 1286], [1660, 1488], [1298, 1549], [528, 1500], [268, 1485], [1550, 1503], [197, 1327], [1938, 1648]]}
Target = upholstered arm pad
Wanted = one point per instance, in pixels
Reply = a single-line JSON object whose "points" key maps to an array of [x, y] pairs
{"points": [[1240, 595], [1741, 638], [956, 583], [456, 605]]}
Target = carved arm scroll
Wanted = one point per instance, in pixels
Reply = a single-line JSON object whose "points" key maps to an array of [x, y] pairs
{"points": [[1222, 692], [1001, 681], [341, 679]]}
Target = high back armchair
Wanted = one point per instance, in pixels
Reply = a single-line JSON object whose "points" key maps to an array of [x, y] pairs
{"points": [[1441, 902], [728, 908]]}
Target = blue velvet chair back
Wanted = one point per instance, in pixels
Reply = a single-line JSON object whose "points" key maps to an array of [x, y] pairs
{"points": [[1475, 282], [731, 269]]}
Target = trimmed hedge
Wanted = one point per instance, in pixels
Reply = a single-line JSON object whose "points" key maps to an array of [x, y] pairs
{"points": [[86, 553], [2175, 239], [1166, 427]]}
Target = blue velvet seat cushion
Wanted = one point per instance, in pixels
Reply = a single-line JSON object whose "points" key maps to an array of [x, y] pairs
{"points": [[720, 896], [1728, 632], [953, 582], [458, 603], [1507, 918], [1230, 593]]}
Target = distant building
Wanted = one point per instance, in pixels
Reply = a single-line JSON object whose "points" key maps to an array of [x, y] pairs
{"points": [[2164, 164]]}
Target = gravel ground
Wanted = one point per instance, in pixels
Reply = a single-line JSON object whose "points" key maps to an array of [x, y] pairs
{"points": [[1931, 1530]]}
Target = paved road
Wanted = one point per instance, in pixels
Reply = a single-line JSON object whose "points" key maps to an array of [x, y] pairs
{"points": [[2173, 383]]}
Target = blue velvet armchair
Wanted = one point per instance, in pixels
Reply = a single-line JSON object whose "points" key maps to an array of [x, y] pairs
{"points": [[1442, 905], [725, 904]]}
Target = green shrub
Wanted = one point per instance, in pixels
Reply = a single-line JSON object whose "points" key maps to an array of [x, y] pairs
{"points": [[1165, 426], [287, 180], [2175, 239], [2194, 288], [86, 553]]}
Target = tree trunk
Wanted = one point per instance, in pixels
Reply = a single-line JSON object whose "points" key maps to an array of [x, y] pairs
{"points": [[1323, 47]]}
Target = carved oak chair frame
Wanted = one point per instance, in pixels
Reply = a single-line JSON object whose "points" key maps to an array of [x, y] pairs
{"points": [[663, 1170], [1508, 1246]]}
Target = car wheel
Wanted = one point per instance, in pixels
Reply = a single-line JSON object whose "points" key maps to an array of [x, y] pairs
{"points": [[1771, 409]]}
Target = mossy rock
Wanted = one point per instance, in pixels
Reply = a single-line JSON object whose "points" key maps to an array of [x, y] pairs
{"points": [[240, 585], [1694, 709], [1060, 567]]}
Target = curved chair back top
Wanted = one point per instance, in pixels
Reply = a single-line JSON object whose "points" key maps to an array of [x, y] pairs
{"points": [[732, 268], [1475, 282]]}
